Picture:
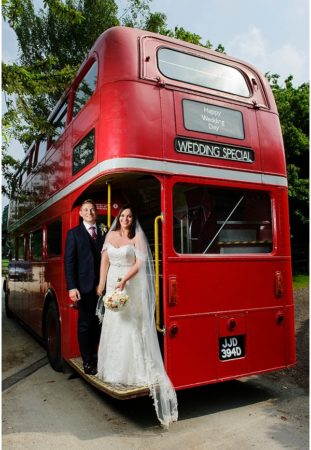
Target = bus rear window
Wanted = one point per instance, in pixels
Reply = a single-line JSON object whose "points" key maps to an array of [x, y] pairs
{"points": [[209, 220], [201, 72]]}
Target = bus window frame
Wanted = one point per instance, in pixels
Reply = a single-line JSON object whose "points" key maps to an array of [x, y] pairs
{"points": [[214, 184], [149, 71], [47, 225], [18, 247], [92, 130], [65, 100], [43, 140], [248, 85], [80, 77], [31, 154], [43, 252]]}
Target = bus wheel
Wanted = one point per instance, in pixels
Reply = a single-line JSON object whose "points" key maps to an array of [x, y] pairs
{"points": [[52, 338], [8, 312]]}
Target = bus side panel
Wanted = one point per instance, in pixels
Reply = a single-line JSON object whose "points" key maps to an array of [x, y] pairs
{"points": [[69, 330], [271, 144]]}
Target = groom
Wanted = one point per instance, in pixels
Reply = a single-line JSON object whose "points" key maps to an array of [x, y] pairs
{"points": [[82, 262]]}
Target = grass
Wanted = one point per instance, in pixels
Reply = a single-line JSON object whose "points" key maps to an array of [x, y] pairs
{"points": [[300, 281]]}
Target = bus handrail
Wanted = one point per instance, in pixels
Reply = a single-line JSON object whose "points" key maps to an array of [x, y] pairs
{"points": [[157, 273], [108, 204]]}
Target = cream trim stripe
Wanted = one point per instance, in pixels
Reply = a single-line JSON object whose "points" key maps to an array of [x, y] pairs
{"points": [[150, 165]]}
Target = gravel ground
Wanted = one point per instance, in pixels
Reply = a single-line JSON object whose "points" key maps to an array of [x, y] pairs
{"points": [[300, 373]]}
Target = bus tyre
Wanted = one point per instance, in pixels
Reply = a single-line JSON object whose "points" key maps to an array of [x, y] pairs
{"points": [[8, 312], [52, 338]]}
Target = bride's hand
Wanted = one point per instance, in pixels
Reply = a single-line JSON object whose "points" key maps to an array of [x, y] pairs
{"points": [[121, 285]]}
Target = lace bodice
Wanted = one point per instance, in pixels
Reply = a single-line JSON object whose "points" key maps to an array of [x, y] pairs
{"points": [[121, 256]]}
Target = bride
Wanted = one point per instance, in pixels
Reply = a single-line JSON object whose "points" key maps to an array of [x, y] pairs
{"points": [[129, 351]]}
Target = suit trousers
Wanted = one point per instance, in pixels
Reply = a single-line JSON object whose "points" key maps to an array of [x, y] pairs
{"points": [[89, 328]]}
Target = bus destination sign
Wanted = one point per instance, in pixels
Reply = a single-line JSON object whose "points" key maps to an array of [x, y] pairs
{"points": [[214, 150], [212, 119]]}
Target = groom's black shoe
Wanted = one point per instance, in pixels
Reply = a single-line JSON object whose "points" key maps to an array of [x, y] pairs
{"points": [[94, 361], [89, 369]]}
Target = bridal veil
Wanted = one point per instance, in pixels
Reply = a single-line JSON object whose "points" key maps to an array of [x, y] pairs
{"points": [[158, 382]]}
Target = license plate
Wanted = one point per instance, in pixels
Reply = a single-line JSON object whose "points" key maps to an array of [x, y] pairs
{"points": [[231, 347]]}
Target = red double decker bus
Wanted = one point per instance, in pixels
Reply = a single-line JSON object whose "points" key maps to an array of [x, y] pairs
{"points": [[192, 138]]}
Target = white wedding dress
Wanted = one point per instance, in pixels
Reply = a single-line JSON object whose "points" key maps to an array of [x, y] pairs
{"points": [[129, 352], [120, 353]]}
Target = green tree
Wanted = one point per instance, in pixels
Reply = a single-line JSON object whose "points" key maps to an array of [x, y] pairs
{"points": [[52, 43], [293, 107]]}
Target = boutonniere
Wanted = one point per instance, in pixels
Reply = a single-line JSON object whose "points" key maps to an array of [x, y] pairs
{"points": [[104, 228]]}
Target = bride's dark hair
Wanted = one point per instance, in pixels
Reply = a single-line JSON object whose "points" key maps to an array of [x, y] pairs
{"points": [[132, 229]]}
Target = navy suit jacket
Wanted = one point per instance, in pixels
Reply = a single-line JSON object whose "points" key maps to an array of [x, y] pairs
{"points": [[82, 259]]}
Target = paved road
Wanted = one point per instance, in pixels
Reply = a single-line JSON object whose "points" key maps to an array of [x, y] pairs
{"points": [[47, 410]]}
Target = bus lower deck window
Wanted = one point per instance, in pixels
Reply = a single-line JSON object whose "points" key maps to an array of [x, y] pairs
{"points": [[211, 220]]}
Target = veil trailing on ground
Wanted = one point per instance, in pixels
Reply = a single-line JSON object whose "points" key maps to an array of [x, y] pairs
{"points": [[159, 384]]}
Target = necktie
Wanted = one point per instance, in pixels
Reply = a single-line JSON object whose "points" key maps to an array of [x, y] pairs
{"points": [[93, 233]]}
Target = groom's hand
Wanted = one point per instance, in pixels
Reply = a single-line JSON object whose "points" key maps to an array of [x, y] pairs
{"points": [[74, 296]]}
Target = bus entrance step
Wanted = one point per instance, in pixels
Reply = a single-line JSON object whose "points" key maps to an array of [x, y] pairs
{"points": [[119, 391]]}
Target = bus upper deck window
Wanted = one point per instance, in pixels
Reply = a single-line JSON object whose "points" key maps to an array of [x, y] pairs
{"points": [[201, 72], [41, 150], [85, 88], [59, 120], [83, 152]]}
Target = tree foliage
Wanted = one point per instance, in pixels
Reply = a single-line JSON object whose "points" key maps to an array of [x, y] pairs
{"points": [[293, 107]]}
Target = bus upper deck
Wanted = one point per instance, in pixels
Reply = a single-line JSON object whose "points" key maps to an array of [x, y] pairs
{"points": [[158, 104]]}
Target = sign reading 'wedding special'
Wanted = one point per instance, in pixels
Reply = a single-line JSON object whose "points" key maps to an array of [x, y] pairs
{"points": [[213, 150], [213, 119]]}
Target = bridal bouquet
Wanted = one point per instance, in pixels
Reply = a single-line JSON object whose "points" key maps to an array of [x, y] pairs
{"points": [[115, 300]]}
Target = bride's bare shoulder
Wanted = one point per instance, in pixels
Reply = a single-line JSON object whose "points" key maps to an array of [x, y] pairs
{"points": [[112, 237]]}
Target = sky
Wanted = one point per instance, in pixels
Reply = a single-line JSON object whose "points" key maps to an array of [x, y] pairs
{"points": [[273, 35]]}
